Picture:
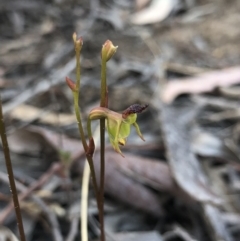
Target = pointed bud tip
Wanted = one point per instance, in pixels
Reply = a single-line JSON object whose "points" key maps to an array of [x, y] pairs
{"points": [[119, 152], [71, 84], [108, 50], [139, 133], [74, 37], [78, 41]]}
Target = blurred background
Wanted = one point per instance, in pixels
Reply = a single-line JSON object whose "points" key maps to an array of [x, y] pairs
{"points": [[179, 56]]}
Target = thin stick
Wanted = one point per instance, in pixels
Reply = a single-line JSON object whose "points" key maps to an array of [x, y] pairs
{"points": [[43, 179], [84, 202], [73, 229], [84, 196], [11, 175], [57, 236]]}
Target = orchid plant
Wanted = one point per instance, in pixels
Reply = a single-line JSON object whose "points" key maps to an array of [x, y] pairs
{"points": [[118, 125]]}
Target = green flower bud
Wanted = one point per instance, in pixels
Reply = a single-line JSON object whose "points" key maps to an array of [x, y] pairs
{"points": [[108, 50], [78, 42]]}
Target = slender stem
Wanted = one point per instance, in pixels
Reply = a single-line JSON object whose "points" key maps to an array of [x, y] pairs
{"points": [[11, 176], [80, 127], [78, 69], [103, 103], [89, 129], [85, 146], [90, 161], [76, 98], [102, 176], [103, 83], [79, 120]]}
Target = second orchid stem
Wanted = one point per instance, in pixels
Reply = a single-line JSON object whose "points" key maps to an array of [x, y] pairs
{"points": [[76, 91]]}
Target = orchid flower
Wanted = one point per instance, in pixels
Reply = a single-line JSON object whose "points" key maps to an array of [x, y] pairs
{"points": [[119, 125]]}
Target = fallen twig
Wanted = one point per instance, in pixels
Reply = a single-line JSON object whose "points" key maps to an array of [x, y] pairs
{"points": [[45, 177], [46, 210]]}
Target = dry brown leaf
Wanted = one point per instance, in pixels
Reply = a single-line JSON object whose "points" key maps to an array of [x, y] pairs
{"points": [[201, 83], [125, 179], [232, 92], [33, 139], [7, 234], [23, 141], [141, 3], [124, 188], [60, 141], [148, 171], [112, 16], [29, 39], [185, 167], [55, 77], [157, 11], [58, 210], [138, 236], [209, 145], [29, 113], [151, 172]]}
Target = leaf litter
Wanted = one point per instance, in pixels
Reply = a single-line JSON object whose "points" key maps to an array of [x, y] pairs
{"points": [[187, 188], [157, 11]]}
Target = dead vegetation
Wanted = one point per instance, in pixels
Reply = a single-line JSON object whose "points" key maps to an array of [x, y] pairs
{"points": [[182, 58]]}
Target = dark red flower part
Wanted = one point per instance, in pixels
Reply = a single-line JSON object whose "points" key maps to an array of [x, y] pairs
{"points": [[133, 109], [91, 147]]}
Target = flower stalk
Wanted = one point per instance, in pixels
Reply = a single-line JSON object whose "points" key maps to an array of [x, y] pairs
{"points": [[108, 51], [76, 92]]}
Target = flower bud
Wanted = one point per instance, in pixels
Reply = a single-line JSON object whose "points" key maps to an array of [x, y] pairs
{"points": [[71, 84], [78, 42], [108, 50]]}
